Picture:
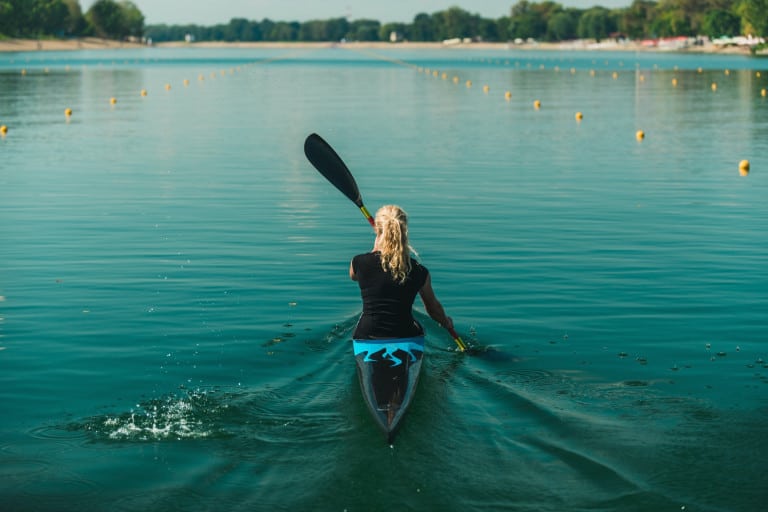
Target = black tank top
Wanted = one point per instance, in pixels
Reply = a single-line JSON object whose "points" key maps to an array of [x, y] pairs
{"points": [[387, 305]]}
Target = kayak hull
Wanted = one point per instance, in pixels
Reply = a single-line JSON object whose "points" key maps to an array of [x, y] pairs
{"points": [[389, 373]]}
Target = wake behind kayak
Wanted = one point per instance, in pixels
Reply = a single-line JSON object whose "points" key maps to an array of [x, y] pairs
{"points": [[389, 372]]}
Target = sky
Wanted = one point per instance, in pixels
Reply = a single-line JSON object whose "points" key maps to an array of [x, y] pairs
{"points": [[205, 12]]}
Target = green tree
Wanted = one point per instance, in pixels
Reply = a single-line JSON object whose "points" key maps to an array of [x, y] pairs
{"points": [[755, 15], [313, 30], [74, 23], [284, 31], [105, 18], [670, 23], [6, 17], [49, 16], [634, 21], [488, 30], [18, 20], [387, 29], [503, 27], [364, 30], [240, 29], [596, 23], [455, 22], [114, 20], [336, 29], [718, 23], [563, 25], [422, 28], [527, 21], [132, 19]]}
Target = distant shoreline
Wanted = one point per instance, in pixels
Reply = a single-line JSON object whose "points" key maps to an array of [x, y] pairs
{"points": [[31, 45], [87, 43]]}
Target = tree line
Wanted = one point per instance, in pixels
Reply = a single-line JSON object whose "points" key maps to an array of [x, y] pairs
{"points": [[543, 21], [64, 18]]}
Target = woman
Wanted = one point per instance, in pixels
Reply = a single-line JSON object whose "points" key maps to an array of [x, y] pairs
{"points": [[389, 280]]}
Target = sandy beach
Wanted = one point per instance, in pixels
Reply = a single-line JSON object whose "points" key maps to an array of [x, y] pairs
{"points": [[28, 45], [88, 43]]}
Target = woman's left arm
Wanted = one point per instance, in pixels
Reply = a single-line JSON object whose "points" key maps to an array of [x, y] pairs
{"points": [[432, 305]]}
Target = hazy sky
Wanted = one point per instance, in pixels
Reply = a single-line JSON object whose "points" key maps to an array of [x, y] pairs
{"points": [[210, 12]]}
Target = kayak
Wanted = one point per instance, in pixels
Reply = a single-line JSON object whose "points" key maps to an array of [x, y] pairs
{"points": [[389, 372]]}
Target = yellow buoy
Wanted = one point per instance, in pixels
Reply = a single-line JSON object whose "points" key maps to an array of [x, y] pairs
{"points": [[591, 72], [579, 116], [508, 95], [615, 75], [757, 74], [762, 93], [167, 87], [469, 83], [486, 88], [455, 79], [67, 112], [744, 167], [435, 73], [674, 82], [640, 135], [714, 86], [186, 82], [727, 72], [112, 100], [143, 92], [573, 71], [444, 76], [537, 104], [3, 130], [201, 77], [700, 70], [23, 72]]}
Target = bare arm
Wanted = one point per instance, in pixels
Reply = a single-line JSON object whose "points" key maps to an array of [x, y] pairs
{"points": [[432, 305], [352, 274]]}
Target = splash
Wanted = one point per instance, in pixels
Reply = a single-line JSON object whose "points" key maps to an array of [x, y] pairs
{"points": [[190, 416]]}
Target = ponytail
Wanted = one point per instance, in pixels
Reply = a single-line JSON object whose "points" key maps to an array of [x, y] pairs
{"points": [[392, 230]]}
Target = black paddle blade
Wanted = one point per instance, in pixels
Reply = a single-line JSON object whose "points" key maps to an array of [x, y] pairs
{"points": [[330, 165]]}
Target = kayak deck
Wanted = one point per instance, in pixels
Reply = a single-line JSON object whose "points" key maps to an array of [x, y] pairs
{"points": [[389, 373]]}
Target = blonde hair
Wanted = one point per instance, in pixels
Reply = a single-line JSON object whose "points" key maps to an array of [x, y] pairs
{"points": [[392, 231]]}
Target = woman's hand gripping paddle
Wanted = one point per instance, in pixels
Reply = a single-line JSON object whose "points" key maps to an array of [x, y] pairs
{"points": [[330, 165]]}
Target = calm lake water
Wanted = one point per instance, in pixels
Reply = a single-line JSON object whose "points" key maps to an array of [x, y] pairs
{"points": [[175, 309]]}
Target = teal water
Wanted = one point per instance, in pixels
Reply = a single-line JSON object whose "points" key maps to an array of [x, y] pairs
{"points": [[175, 309]]}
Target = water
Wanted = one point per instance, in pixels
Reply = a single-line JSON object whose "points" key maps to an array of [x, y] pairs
{"points": [[176, 312]]}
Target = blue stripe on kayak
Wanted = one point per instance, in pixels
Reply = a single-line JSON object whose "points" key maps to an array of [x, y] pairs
{"points": [[369, 347]]}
